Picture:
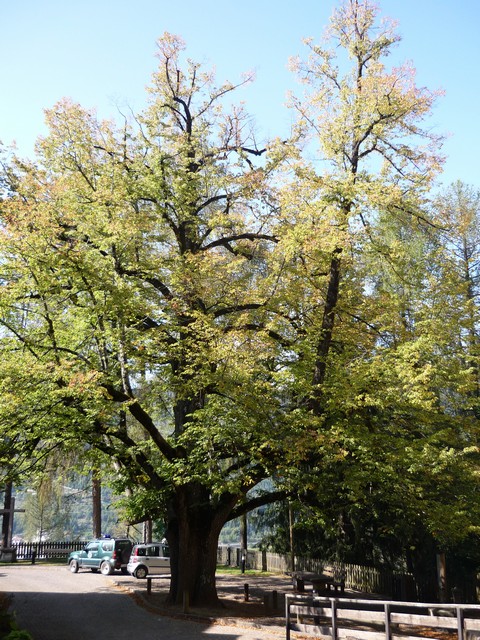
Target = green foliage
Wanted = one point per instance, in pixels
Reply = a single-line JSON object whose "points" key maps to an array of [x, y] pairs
{"points": [[59, 507], [8, 627], [17, 634]]}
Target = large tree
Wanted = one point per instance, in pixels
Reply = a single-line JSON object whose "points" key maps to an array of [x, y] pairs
{"points": [[133, 304]]}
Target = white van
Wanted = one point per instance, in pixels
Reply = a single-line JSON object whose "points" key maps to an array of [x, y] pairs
{"points": [[151, 558]]}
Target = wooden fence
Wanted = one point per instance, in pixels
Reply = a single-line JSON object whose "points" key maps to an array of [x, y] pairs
{"points": [[342, 618], [396, 585], [386, 583], [48, 550], [392, 584]]}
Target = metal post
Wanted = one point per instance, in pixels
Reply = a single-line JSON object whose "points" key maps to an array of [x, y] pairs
{"points": [[333, 604], [287, 615], [460, 614], [388, 630]]}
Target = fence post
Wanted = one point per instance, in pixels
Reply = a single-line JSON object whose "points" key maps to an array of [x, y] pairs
{"points": [[388, 630], [334, 618], [287, 615], [460, 623]]}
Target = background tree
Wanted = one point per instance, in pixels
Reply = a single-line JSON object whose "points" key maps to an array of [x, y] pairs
{"points": [[457, 211], [368, 372]]}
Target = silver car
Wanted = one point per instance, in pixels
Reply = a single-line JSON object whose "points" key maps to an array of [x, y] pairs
{"points": [[152, 558]]}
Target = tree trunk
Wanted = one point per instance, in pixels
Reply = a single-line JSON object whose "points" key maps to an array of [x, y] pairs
{"points": [[96, 506], [290, 529], [192, 534], [326, 334], [244, 540], [148, 530], [442, 577]]}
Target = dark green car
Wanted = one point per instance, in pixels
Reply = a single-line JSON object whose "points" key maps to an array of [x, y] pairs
{"points": [[104, 554]]}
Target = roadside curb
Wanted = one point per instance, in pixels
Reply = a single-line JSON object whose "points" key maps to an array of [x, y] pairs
{"points": [[142, 601]]}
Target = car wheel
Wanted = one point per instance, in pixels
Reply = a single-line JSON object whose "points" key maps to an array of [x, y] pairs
{"points": [[124, 570], [73, 566], [141, 572], [106, 569]]}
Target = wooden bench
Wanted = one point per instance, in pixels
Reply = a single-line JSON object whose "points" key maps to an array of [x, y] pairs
{"points": [[321, 582]]}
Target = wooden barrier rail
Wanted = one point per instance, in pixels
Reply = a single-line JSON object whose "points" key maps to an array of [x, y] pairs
{"points": [[338, 618], [47, 550]]}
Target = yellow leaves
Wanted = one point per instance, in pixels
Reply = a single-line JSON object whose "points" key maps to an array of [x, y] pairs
{"points": [[169, 46], [364, 115], [82, 382]]}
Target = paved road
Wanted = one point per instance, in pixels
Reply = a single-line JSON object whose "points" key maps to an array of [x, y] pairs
{"points": [[54, 604]]}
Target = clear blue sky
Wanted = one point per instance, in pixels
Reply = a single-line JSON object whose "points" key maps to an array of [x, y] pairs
{"points": [[101, 53]]}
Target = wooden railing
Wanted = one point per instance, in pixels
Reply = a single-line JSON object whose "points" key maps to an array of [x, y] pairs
{"points": [[34, 551], [339, 618]]}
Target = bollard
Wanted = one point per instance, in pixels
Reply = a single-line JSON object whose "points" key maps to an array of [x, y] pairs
{"points": [[34, 556], [245, 591], [266, 601], [186, 602], [274, 600]]}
